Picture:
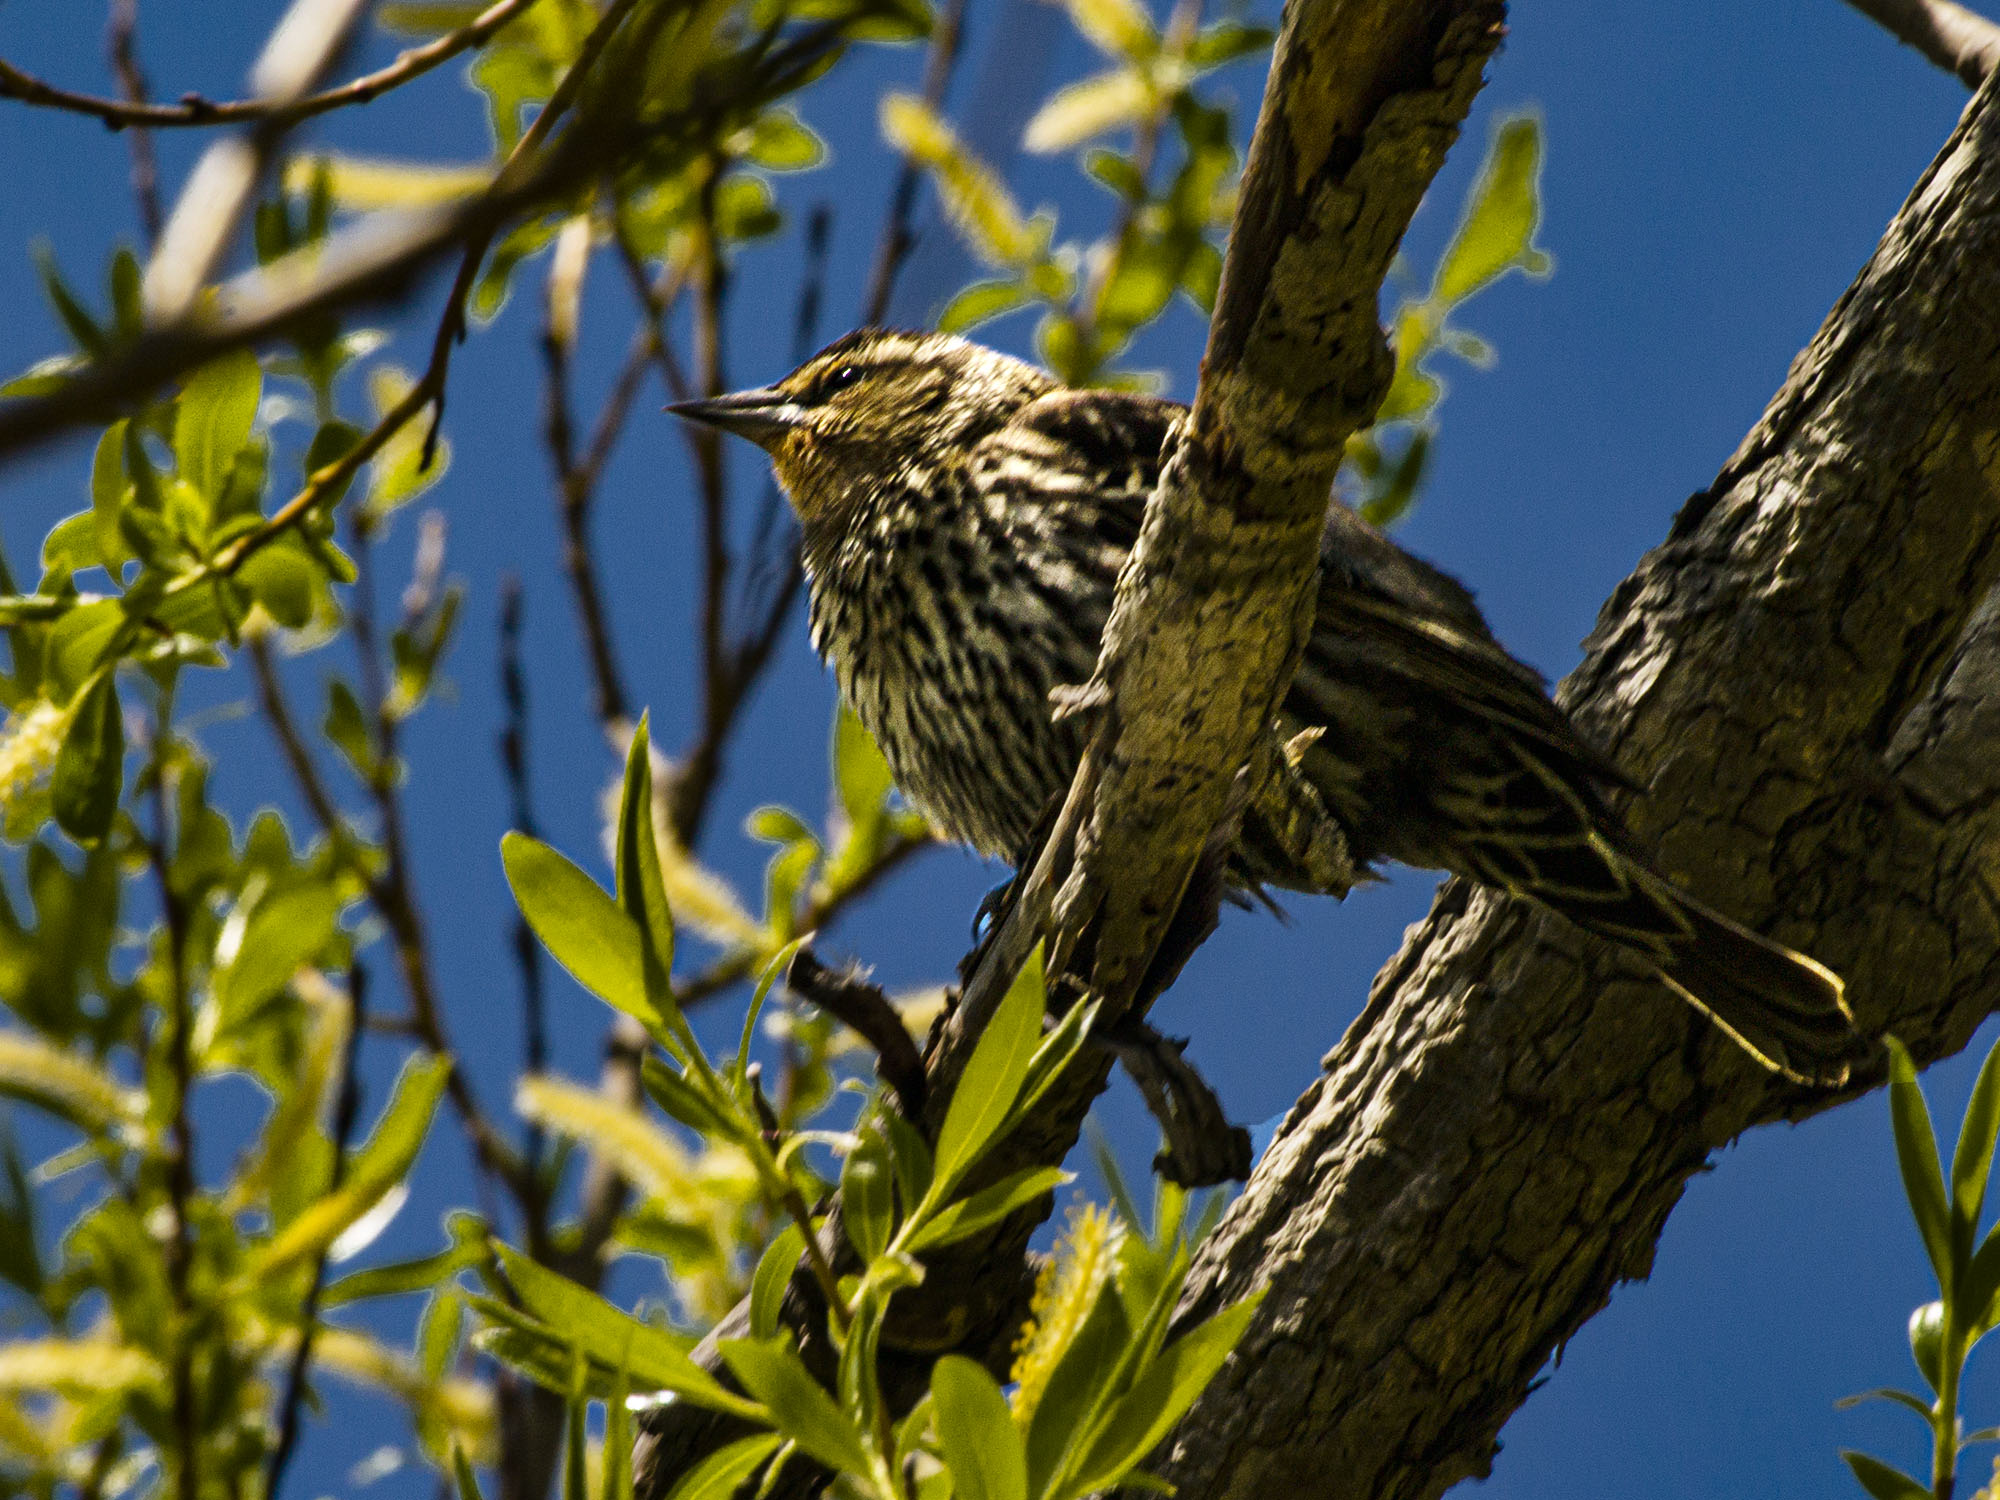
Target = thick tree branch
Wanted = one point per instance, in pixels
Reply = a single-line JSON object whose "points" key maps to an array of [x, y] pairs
{"points": [[1365, 96], [1956, 39], [1806, 679]]}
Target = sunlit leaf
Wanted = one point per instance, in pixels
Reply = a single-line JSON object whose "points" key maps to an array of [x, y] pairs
{"points": [[987, 1207], [1092, 107], [992, 1078], [213, 420], [982, 1447], [772, 1371], [1917, 1157], [1497, 233], [90, 768], [581, 926], [364, 184]]}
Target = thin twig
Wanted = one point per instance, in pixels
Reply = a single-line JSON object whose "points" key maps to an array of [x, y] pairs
{"points": [[849, 998], [892, 250], [133, 111], [514, 762], [346, 1109], [1956, 39], [393, 890], [180, 1067], [576, 481], [122, 43]]}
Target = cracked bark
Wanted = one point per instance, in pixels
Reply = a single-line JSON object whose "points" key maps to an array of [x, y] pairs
{"points": [[1805, 677]]}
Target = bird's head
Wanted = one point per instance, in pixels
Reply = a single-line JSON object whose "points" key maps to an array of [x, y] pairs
{"points": [[874, 409]]}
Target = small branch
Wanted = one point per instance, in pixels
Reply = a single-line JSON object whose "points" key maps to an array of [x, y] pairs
{"points": [[180, 1066], [345, 1111], [1956, 39], [1202, 1147], [892, 250], [123, 44], [849, 998], [514, 763], [735, 967], [134, 112], [577, 481], [393, 891]]}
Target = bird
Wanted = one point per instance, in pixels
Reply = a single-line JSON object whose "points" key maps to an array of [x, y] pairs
{"points": [[963, 517]]}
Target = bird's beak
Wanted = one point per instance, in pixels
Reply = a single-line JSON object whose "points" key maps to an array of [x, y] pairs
{"points": [[763, 416]]}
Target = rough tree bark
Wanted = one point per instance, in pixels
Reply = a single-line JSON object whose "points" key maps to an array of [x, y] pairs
{"points": [[1806, 679], [1802, 676]]}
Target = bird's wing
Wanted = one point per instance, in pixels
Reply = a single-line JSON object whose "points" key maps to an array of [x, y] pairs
{"points": [[1408, 619], [1090, 452]]}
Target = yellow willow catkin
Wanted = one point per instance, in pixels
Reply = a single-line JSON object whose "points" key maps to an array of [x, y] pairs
{"points": [[29, 742], [1065, 1293]]}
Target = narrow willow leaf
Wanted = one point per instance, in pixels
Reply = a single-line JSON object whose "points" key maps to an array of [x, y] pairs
{"points": [[981, 302], [363, 184], [641, 892], [868, 1195], [90, 768], [281, 934], [992, 1078], [1882, 1481], [775, 1268], [724, 1472], [580, 925], [1887, 1393], [982, 1447], [1119, 28], [461, 1471], [773, 1372], [1917, 1156], [1972, 1161], [212, 423], [378, 1166], [1498, 230], [1160, 1396], [968, 1216]]}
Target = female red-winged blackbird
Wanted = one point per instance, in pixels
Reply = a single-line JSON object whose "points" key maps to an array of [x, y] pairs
{"points": [[964, 519]]}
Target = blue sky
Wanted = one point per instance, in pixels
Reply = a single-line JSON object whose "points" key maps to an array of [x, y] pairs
{"points": [[1716, 173]]}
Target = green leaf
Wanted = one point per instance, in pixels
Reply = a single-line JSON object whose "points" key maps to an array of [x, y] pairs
{"points": [[1881, 1481], [1979, 1297], [381, 1163], [282, 578], [1201, 277], [674, 1094], [1161, 1395], [1092, 107], [90, 768], [772, 1371], [781, 142], [397, 474], [1887, 1393], [110, 492], [212, 423], [1972, 1162], [774, 1273], [82, 327], [982, 1447], [989, 1206], [77, 644], [641, 891], [992, 1079], [282, 932], [582, 927], [461, 1471], [1051, 1057], [861, 776], [347, 728], [1917, 1156], [725, 1471], [1927, 1342], [868, 1195], [1224, 42], [654, 1358], [1497, 233]]}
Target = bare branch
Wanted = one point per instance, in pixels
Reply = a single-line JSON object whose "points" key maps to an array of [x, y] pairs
{"points": [[1956, 39], [897, 239], [134, 112], [122, 43]]}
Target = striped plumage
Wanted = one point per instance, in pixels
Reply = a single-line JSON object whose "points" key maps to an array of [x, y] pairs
{"points": [[964, 518]]}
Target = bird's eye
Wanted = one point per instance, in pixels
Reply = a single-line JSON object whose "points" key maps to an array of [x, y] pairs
{"points": [[839, 380]]}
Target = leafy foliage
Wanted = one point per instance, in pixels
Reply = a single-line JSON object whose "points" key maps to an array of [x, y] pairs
{"points": [[179, 1295]]}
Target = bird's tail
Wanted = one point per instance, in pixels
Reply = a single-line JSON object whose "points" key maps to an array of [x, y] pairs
{"points": [[1787, 1010]]}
